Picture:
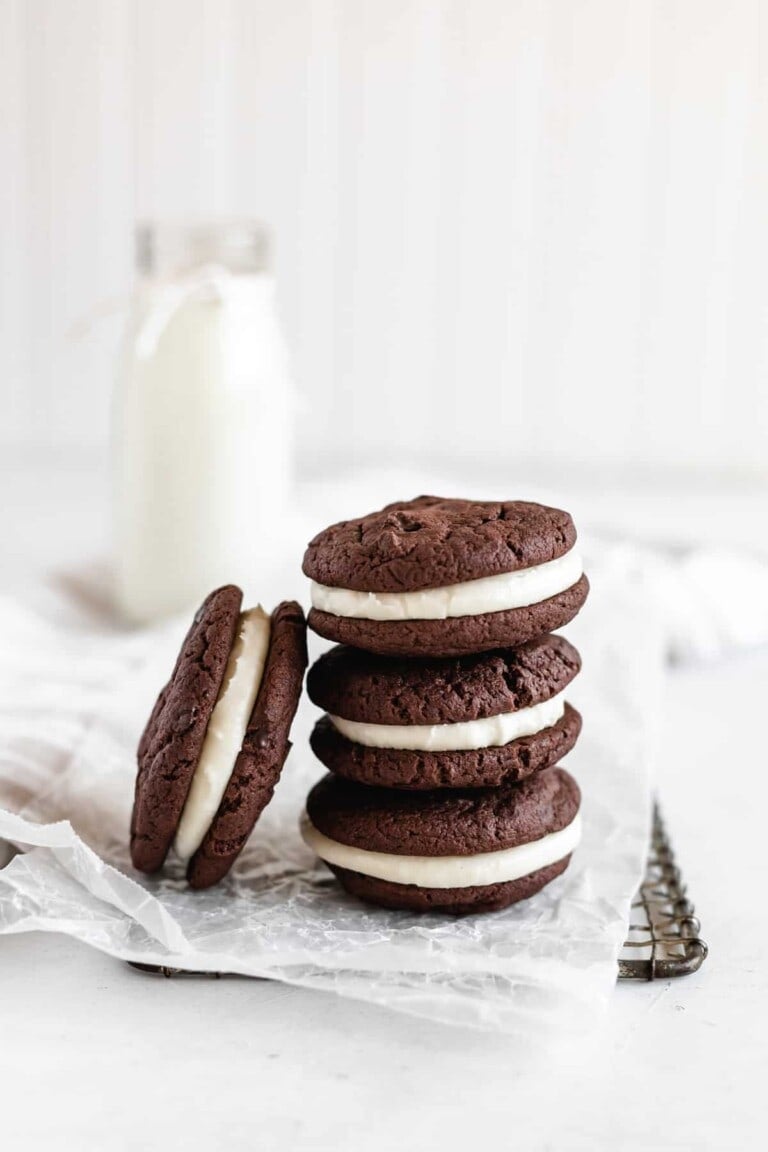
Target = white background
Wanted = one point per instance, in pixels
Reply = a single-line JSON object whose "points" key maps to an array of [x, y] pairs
{"points": [[510, 229]]}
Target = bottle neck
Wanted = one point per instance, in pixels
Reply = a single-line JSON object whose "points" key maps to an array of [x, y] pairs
{"points": [[169, 252]]}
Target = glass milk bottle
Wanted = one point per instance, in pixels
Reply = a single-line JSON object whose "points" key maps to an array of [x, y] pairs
{"points": [[203, 420]]}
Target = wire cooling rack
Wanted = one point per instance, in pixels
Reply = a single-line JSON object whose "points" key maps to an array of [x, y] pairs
{"points": [[663, 938]]}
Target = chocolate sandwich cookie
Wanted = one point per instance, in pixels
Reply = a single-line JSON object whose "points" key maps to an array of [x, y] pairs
{"points": [[438, 577], [217, 738], [455, 851], [457, 722]]}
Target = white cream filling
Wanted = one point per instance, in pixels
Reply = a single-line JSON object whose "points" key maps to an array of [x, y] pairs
{"points": [[447, 871], [226, 730], [471, 598], [490, 732]]}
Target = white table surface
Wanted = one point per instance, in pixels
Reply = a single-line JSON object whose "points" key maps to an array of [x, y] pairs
{"points": [[96, 1056]]}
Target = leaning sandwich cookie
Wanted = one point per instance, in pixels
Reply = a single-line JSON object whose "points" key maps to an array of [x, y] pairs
{"points": [[442, 577], [452, 722], [218, 736], [452, 851]]}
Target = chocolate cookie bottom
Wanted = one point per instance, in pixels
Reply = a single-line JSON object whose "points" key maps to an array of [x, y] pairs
{"points": [[418, 770], [459, 901], [456, 635]]}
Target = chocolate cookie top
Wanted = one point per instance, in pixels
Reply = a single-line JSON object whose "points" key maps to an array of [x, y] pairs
{"points": [[265, 747], [446, 823], [170, 746], [390, 690], [431, 542]]}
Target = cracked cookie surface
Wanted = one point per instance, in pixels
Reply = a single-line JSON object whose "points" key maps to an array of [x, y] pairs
{"points": [[379, 690], [459, 823], [171, 743], [431, 542]]}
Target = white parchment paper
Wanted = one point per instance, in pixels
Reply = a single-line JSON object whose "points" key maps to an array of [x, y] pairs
{"points": [[73, 700]]}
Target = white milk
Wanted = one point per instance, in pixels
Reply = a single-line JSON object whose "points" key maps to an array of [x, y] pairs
{"points": [[203, 421]]}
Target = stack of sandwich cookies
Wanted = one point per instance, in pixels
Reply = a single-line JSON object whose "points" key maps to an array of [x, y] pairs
{"points": [[445, 704], [218, 736]]}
